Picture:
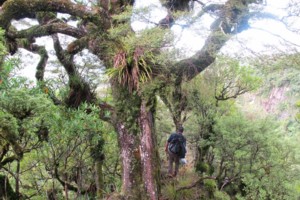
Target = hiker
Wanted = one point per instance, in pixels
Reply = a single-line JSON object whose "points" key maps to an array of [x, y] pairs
{"points": [[176, 149]]}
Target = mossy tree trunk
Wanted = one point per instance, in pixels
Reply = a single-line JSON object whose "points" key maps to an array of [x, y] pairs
{"points": [[126, 125], [137, 141]]}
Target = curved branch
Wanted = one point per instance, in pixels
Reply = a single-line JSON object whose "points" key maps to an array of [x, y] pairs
{"points": [[80, 90], [64, 58], [47, 29], [17, 9], [8, 160], [77, 45], [41, 50], [234, 13], [192, 66]]}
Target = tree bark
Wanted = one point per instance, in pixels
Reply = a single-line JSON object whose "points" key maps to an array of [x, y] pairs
{"points": [[131, 163], [149, 157]]}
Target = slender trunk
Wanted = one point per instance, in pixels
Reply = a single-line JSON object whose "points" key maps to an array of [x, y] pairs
{"points": [[149, 157], [66, 187], [18, 179], [99, 179]]}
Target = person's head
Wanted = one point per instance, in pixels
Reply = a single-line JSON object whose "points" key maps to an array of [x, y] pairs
{"points": [[180, 129]]}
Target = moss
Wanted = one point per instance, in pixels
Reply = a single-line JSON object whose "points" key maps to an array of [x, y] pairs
{"points": [[219, 195], [202, 167], [127, 107], [210, 186]]}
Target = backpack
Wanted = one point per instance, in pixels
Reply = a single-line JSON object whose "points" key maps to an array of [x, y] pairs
{"points": [[176, 145]]}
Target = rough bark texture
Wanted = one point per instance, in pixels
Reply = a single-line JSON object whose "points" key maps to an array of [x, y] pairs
{"points": [[150, 162], [130, 158]]}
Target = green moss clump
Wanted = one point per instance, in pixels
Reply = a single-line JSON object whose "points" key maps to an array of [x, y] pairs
{"points": [[202, 167], [210, 186]]}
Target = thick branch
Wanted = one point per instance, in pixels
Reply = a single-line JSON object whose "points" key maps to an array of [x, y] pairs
{"points": [[64, 57], [80, 90], [40, 68], [191, 67], [8, 160], [47, 29], [234, 13], [77, 45], [17, 9]]}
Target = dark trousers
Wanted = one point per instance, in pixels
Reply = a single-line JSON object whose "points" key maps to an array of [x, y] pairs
{"points": [[173, 158]]}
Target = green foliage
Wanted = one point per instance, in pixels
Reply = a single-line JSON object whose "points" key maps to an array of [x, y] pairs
{"points": [[202, 167], [24, 103], [8, 79], [75, 143], [210, 186], [170, 190], [135, 55], [57, 141], [231, 79], [298, 114], [26, 111], [251, 150], [254, 150], [8, 125], [3, 51], [219, 195]]}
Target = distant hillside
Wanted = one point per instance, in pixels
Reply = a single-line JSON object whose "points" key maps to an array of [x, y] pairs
{"points": [[277, 96]]}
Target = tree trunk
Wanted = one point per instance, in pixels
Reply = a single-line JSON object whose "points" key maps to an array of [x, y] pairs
{"points": [[131, 163], [149, 155], [18, 179], [6, 191], [137, 142]]}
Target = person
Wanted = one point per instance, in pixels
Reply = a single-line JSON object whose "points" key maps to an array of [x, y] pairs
{"points": [[175, 157]]}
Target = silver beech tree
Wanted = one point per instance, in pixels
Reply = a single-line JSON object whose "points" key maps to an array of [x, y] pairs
{"points": [[136, 63]]}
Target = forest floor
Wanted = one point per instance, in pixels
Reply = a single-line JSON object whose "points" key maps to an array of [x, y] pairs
{"points": [[183, 185]]}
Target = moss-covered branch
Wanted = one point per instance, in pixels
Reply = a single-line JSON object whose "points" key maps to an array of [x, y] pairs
{"points": [[80, 90], [41, 50], [233, 15], [17, 9], [47, 29]]}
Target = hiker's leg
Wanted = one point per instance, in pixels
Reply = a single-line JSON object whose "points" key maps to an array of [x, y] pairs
{"points": [[176, 160], [171, 160]]}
